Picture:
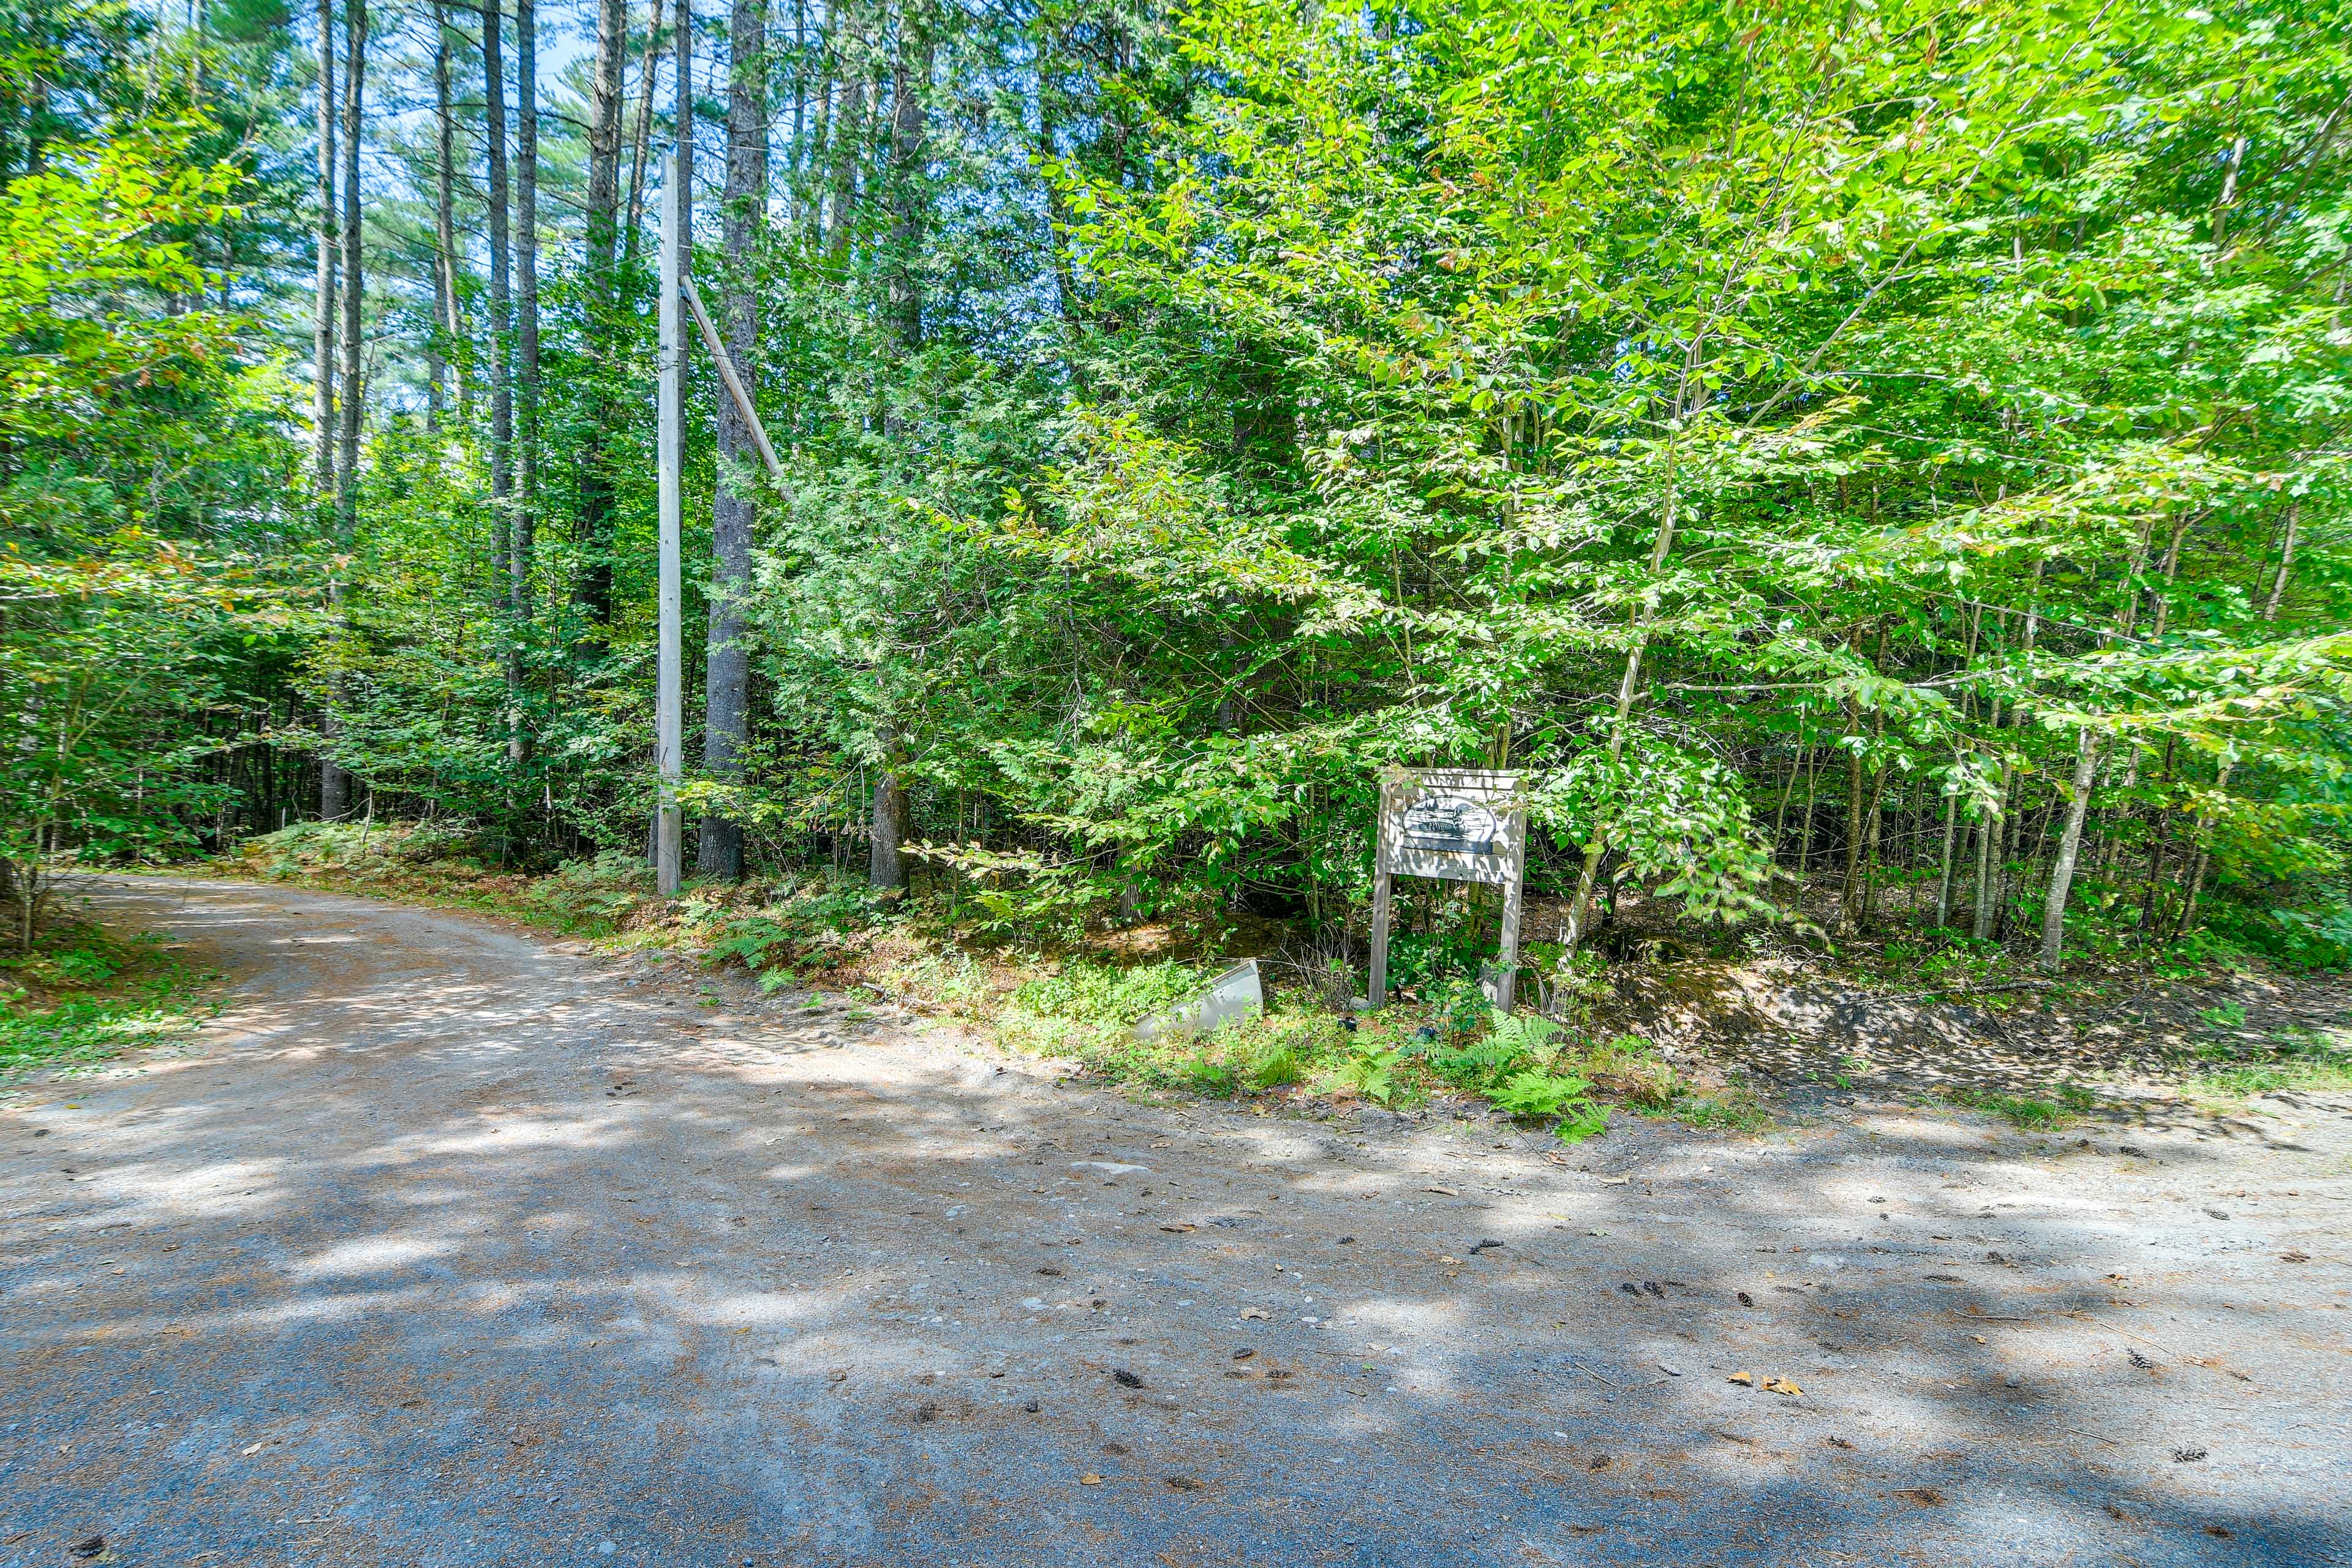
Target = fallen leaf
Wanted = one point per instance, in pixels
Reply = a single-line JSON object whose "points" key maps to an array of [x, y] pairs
{"points": [[1257, 1312], [1614, 1180], [1745, 1379], [1780, 1385], [1179, 1229], [1090, 1479], [1443, 1192]]}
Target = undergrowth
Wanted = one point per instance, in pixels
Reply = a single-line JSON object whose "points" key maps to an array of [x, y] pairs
{"points": [[85, 994]]}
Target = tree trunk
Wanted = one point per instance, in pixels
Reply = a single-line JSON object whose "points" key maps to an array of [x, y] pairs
{"points": [[451, 323], [2286, 561], [595, 591], [848, 137], [727, 660], [1943, 876], [524, 541], [1628, 683], [355, 38], [648, 74], [494, 135], [334, 784], [910, 88], [887, 867], [2070, 846], [330, 240]]}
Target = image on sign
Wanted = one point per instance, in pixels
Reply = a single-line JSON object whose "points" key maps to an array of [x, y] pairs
{"points": [[1453, 826]]}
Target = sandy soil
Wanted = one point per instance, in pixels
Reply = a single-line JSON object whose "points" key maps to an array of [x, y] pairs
{"points": [[444, 1244]]}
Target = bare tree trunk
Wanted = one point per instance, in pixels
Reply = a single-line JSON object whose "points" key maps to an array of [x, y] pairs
{"points": [[910, 87], [595, 590], [524, 539], [494, 134], [2070, 848], [334, 784], [1944, 875], [330, 240], [648, 73], [885, 869], [355, 38], [445, 207], [726, 680], [2286, 562], [849, 135]]}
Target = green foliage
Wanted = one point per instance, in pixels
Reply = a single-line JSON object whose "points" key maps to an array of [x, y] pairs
{"points": [[2023, 1112], [1535, 1092], [84, 994]]}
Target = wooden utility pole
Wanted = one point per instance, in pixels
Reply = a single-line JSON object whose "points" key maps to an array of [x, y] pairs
{"points": [[670, 707]]}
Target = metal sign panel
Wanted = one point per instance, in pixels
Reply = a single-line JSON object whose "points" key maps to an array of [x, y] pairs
{"points": [[1461, 827], [1238, 992]]}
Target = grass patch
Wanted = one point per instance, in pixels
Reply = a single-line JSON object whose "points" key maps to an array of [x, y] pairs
{"points": [[2070, 1103], [2318, 1063], [85, 994]]}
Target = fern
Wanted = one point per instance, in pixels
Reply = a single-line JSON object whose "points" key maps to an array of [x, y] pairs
{"points": [[1539, 1093]]}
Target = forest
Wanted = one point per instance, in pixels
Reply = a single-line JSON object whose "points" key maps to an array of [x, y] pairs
{"points": [[1877, 471]]}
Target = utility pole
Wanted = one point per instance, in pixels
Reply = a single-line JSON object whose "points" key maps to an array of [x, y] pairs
{"points": [[669, 711]]}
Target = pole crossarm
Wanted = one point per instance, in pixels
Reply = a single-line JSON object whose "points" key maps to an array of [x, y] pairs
{"points": [[735, 389]]}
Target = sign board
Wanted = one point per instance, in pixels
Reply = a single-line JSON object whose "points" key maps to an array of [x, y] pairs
{"points": [[1458, 826]]}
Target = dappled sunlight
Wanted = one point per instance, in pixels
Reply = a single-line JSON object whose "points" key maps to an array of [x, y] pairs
{"points": [[954, 1273]]}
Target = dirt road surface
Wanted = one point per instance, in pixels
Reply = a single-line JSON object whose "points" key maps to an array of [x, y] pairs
{"points": [[447, 1245]]}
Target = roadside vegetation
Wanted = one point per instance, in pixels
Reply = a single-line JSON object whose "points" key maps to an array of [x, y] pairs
{"points": [[1877, 475], [85, 994]]}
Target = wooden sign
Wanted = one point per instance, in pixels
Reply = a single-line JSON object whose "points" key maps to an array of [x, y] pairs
{"points": [[1459, 826]]}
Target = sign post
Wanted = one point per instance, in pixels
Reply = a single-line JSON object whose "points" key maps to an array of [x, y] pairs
{"points": [[1458, 826]]}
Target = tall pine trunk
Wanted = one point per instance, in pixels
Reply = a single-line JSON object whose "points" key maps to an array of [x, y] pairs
{"points": [[329, 240], [910, 86], [355, 39], [595, 591], [727, 658], [451, 324], [494, 136], [334, 784], [526, 511], [648, 75]]}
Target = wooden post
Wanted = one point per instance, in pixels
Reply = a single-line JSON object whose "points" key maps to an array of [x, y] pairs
{"points": [[1508, 982], [669, 706], [1377, 992]]}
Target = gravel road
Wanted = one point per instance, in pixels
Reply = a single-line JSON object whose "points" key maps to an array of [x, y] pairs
{"points": [[446, 1245]]}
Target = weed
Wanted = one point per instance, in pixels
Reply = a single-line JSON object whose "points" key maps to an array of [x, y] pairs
{"points": [[1733, 1111], [2312, 1062], [1276, 1067], [98, 995], [2225, 1016], [2026, 1114]]}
